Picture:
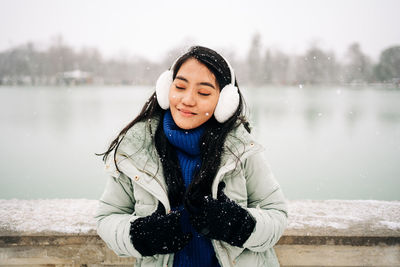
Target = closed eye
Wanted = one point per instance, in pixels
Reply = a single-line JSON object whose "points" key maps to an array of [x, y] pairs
{"points": [[204, 94], [180, 88]]}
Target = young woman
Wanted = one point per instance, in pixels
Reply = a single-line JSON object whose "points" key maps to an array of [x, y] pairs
{"points": [[188, 184]]}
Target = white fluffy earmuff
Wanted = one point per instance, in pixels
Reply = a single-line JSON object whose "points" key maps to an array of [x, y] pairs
{"points": [[228, 101], [162, 88]]}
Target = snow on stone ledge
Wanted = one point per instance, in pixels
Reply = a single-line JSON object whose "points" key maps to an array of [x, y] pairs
{"points": [[306, 217], [344, 217], [56, 216]]}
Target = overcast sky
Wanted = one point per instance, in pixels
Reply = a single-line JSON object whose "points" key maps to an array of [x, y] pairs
{"points": [[151, 28]]}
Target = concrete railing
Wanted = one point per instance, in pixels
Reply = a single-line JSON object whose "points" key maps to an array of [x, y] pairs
{"points": [[61, 232]]}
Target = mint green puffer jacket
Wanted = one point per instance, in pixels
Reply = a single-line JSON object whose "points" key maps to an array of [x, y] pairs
{"points": [[137, 190]]}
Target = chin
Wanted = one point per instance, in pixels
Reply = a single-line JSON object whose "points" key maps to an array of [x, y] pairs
{"points": [[185, 126]]}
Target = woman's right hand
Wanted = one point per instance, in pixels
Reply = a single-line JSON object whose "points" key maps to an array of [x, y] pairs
{"points": [[158, 233]]}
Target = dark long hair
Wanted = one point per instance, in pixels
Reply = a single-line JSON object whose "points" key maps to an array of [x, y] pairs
{"points": [[212, 141]]}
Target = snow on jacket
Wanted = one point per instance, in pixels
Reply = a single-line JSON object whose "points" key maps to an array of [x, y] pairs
{"points": [[136, 191]]}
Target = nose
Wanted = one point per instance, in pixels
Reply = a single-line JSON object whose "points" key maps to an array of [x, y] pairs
{"points": [[188, 98]]}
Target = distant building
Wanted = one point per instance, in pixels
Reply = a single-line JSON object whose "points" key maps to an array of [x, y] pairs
{"points": [[75, 77]]}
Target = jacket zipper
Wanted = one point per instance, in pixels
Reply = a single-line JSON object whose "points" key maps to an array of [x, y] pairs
{"points": [[229, 257], [229, 168]]}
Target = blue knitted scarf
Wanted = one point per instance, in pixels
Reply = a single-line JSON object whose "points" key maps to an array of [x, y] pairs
{"points": [[199, 252]]}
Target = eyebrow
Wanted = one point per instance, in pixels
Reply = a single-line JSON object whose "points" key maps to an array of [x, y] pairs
{"points": [[202, 83]]}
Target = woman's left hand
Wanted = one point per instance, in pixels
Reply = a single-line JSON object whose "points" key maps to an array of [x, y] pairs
{"points": [[221, 219]]}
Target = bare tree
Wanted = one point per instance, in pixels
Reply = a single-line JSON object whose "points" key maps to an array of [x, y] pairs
{"points": [[358, 67], [388, 68], [254, 71]]}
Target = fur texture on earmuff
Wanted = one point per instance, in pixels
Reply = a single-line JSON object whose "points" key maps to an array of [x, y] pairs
{"points": [[227, 103], [162, 88]]}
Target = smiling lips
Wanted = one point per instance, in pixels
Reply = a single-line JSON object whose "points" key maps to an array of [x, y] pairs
{"points": [[186, 113]]}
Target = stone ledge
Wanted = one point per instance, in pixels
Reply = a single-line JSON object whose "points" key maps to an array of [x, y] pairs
{"points": [[57, 240], [62, 232], [368, 218]]}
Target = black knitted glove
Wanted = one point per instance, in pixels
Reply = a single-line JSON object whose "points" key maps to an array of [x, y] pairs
{"points": [[221, 218], [158, 233]]}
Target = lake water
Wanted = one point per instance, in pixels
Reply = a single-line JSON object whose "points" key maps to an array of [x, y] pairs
{"points": [[322, 143]]}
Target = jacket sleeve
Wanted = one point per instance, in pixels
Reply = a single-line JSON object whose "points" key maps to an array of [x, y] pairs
{"points": [[114, 213], [266, 204]]}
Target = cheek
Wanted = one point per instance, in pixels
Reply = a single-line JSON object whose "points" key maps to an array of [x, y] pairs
{"points": [[213, 104], [173, 96], [208, 107]]}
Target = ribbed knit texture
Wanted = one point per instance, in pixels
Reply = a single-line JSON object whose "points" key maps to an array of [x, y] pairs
{"points": [[199, 252]]}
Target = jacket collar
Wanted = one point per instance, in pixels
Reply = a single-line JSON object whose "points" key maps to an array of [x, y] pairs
{"points": [[138, 145]]}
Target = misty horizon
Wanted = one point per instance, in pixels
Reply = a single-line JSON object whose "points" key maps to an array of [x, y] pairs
{"points": [[151, 29], [182, 47]]}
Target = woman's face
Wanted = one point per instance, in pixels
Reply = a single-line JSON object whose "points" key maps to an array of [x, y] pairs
{"points": [[193, 95]]}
